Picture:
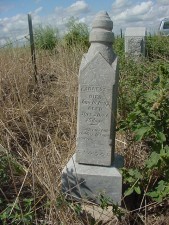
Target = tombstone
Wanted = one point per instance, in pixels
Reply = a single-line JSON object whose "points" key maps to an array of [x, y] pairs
{"points": [[135, 41], [94, 167]]}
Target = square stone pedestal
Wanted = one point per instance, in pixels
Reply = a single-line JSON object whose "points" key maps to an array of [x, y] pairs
{"points": [[87, 181]]}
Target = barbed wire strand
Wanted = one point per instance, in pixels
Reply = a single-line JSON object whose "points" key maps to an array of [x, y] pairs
{"points": [[17, 40]]}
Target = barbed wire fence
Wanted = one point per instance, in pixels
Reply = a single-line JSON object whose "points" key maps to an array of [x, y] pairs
{"points": [[14, 41]]}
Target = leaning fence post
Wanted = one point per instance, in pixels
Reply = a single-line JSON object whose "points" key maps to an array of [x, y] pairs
{"points": [[33, 56]]}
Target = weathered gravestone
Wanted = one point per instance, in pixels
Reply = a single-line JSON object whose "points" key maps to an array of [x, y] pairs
{"points": [[92, 170], [135, 41]]}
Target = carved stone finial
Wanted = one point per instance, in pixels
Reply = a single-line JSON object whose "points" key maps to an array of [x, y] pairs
{"points": [[102, 28], [101, 38]]}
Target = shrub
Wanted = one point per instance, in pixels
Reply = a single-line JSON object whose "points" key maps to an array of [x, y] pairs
{"points": [[157, 47], [46, 37], [78, 33], [148, 120]]}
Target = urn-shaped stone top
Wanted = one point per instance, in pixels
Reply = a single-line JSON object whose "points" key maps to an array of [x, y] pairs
{"points": [[102, 28]]}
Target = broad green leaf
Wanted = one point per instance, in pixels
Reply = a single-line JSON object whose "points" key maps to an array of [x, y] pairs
{"points": [[152, 194], [137, 174], [139, 133], [161, 136], [130, 180], [153, 160], [128, 192], [137, 190]]}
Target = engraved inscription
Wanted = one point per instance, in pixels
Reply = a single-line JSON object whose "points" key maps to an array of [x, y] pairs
{"points": [[94, 132], [93, 104], [86, 88], [94, 113], [94, 153]]}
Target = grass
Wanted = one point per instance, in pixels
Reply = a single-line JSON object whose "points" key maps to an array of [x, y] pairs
{"points": [[38, 133], [38, 122]]}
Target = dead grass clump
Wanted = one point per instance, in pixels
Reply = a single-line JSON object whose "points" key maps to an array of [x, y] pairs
{"points": [[38, 122]]}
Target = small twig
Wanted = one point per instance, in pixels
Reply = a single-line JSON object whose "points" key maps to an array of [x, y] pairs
{"points": [[145, 193], [145, 211], [4, 195], [17, 197], [151, 204]]}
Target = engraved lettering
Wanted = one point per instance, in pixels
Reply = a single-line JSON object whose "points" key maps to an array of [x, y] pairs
{"points": [[94, 108], [86, 88], [95, 96]]}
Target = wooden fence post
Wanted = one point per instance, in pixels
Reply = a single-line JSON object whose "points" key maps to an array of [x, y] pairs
{"points": [[33, 56]]}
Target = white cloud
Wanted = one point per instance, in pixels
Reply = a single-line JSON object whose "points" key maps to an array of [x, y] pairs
{"points": [[124, 13], [141, 9], [16, 27], [13, 24], [18, 24], [143, 13], [118, 4], [78, 8], [135, 12]]}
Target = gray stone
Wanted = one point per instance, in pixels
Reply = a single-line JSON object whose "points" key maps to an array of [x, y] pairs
{"points": [[97, 97], [93, 169], [135, 41], [88, 181]]}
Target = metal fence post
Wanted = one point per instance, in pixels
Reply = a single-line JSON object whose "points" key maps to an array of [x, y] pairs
{"points": [[33, 56]]}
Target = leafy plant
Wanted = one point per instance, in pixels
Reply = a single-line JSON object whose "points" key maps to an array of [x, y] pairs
{"points": [[134, 178], [14, 214], [157, 47], [46, 37], [105, 201], [78, 33], [161, 191], [7, 162], [149, 118], [149, 121], [4, 170]]}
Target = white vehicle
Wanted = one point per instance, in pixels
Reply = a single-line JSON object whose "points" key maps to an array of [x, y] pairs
{"points": [[164, 27]]}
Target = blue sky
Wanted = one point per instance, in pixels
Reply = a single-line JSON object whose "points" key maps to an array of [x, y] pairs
{"points": [[124, 13], [13, 7]]}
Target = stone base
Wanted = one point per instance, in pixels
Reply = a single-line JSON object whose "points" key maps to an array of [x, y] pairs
{"points": [[88, 181]]}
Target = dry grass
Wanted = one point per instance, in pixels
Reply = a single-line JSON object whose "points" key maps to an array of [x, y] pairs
{"points": [[38, 122], [38, 129]]}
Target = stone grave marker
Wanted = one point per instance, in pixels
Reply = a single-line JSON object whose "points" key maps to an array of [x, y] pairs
{"points": [[135, 41], [93, 168]]}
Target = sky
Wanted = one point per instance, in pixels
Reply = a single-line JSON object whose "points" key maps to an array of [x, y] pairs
{"points": [[124, 13]]}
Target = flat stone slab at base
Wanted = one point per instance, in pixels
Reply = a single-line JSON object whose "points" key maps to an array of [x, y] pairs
{"points": [[101, 216], [88, 181]]}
